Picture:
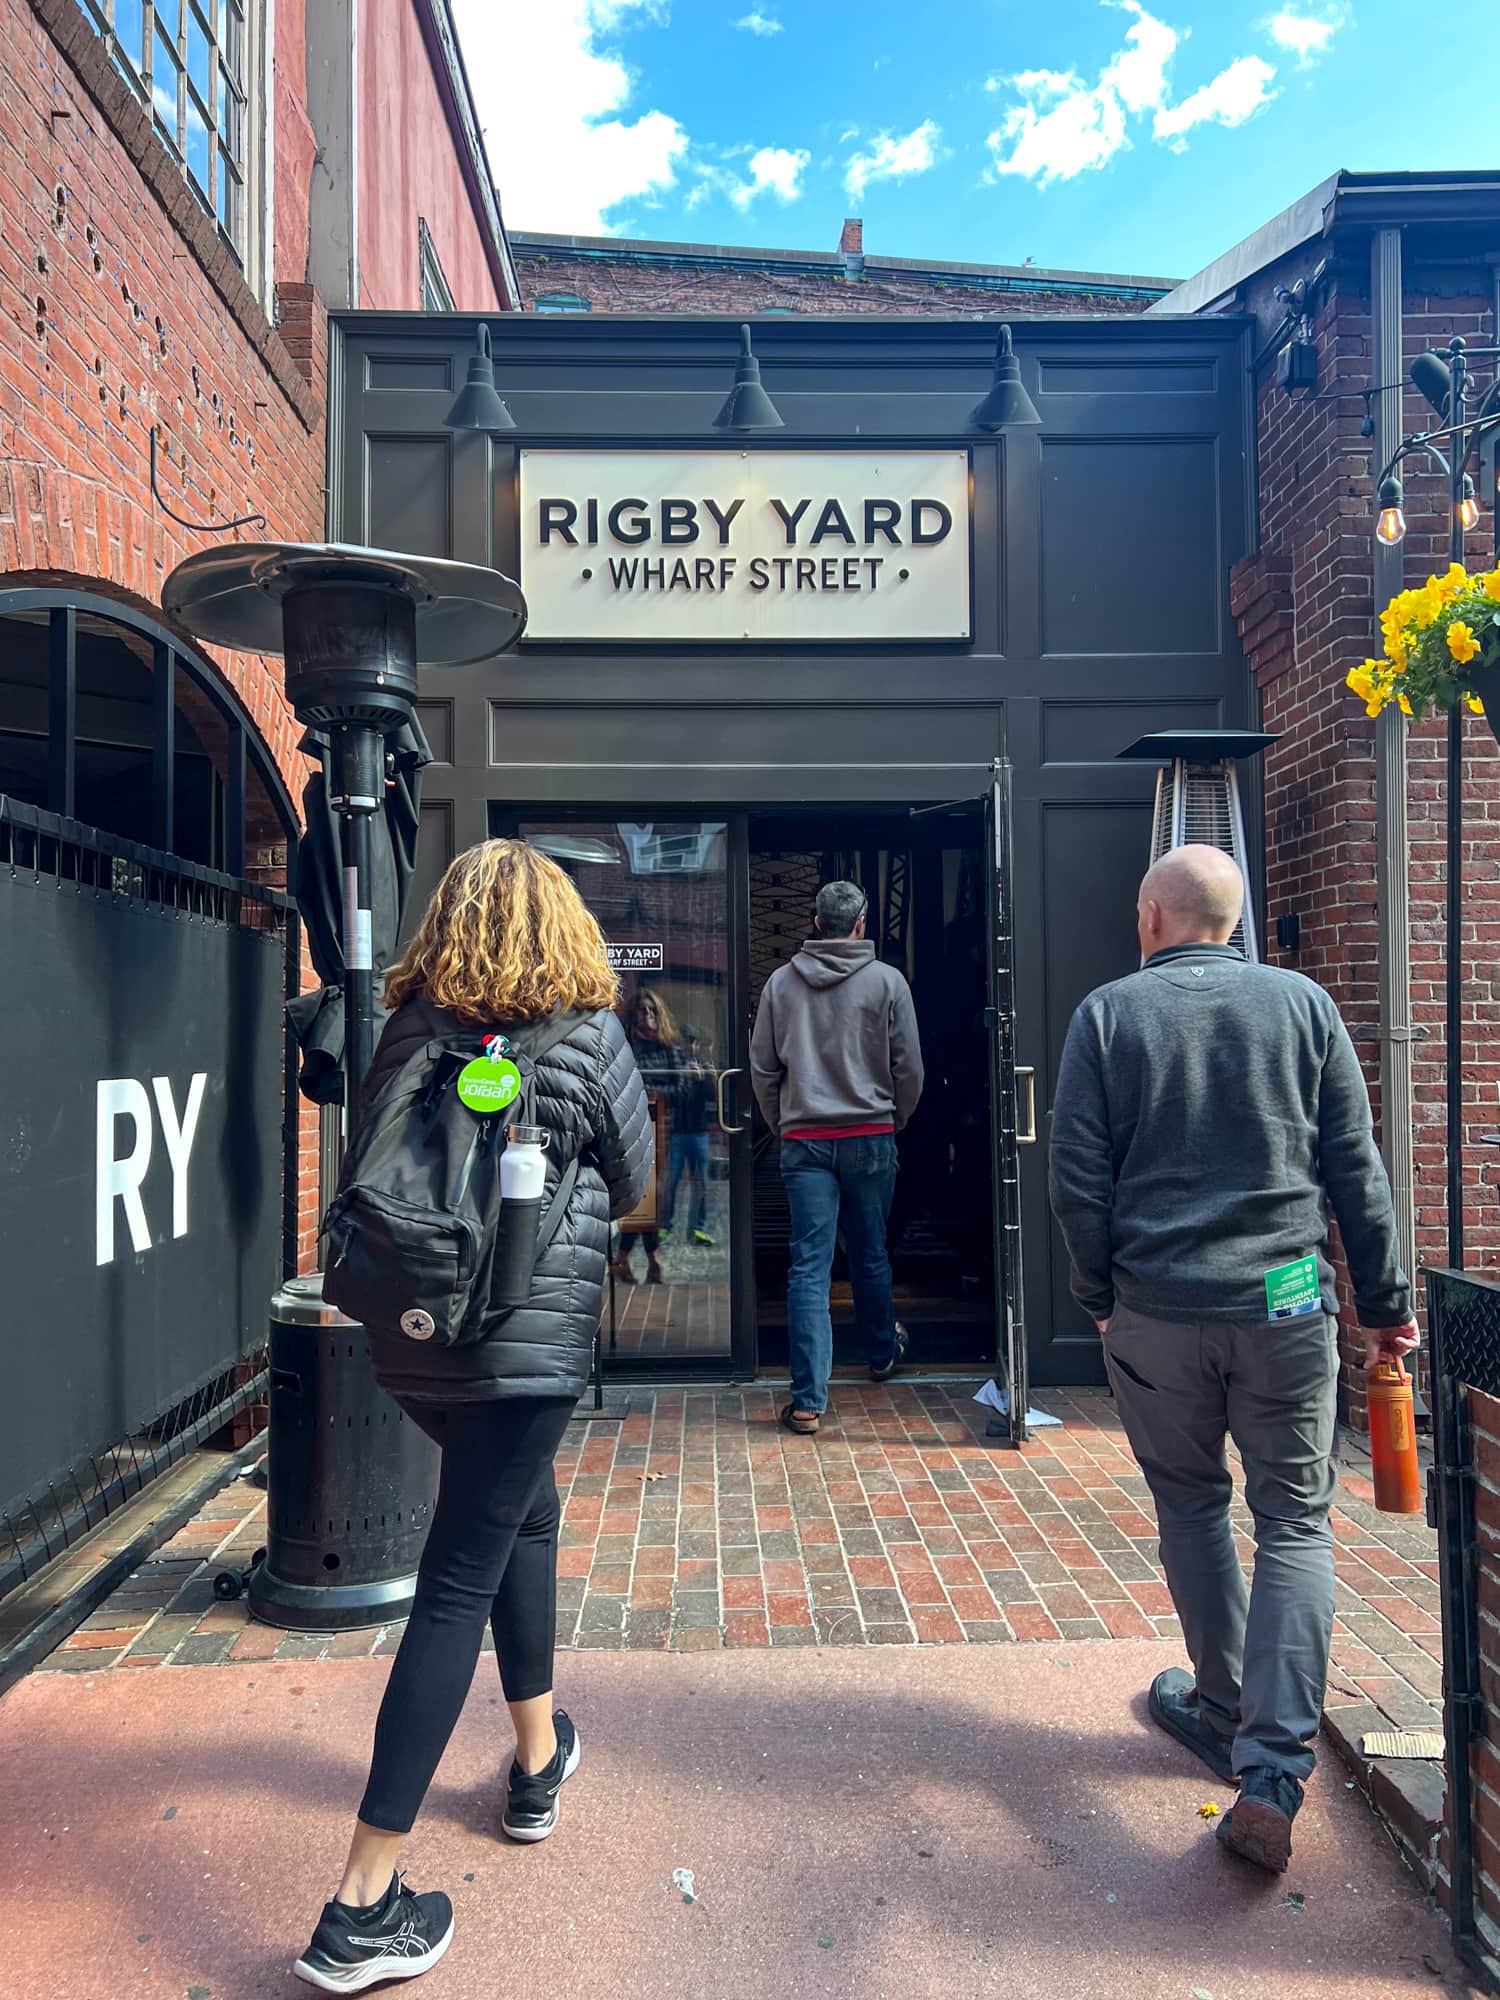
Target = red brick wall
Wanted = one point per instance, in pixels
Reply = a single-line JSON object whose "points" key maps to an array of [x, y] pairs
{"points": [[123, 312], [1435, 311], [623, 284], [1305, 608]]}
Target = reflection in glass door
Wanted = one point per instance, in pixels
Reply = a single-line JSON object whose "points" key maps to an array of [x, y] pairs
{"points": [[664, 894]]}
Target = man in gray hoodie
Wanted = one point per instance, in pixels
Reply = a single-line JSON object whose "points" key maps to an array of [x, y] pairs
{"points": [[837, 1069], [1208, 1114]]}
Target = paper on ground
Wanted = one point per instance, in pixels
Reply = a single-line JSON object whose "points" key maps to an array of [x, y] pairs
{"points": [[995, 1398], [1402, 1743]]}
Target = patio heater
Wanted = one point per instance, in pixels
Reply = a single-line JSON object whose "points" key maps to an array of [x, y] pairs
{"points": [[1198, 801], [351, 1483]]}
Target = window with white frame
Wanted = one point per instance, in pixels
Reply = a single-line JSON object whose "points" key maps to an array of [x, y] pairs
{"points": [[436, 295], [191, 61]]}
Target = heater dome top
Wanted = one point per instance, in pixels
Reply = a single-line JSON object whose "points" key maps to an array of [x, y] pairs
{"points": [[232, 596], [1196, 746]]}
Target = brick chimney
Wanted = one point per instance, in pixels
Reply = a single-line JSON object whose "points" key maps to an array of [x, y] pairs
{"points": [[852, 246]]}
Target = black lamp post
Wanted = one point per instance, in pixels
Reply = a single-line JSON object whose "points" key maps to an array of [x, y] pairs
{"points": [[1445, 382]]}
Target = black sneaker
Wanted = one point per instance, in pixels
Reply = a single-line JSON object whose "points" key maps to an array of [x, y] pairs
{"points": [[1259, 1826], [400, 1937], [1173, 1702], [899, 1345], [531, 1808]]}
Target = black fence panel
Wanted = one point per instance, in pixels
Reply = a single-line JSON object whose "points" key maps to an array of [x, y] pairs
{"points": [[1464, 1338], [143, 1164]]}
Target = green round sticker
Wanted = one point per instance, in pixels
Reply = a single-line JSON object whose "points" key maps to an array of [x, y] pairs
{"points": [[486, 1086]]}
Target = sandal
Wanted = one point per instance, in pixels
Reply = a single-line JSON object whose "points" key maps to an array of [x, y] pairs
{"points": [[802, 1423]]}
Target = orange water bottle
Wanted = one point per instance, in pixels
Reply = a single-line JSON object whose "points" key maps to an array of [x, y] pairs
{"points": [[1393, 1440]]}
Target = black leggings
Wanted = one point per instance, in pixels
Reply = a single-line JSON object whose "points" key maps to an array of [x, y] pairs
{"points": [[491, 1554]]}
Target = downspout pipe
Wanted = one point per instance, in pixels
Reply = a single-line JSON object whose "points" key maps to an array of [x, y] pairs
{"points": [[1392, 853]]}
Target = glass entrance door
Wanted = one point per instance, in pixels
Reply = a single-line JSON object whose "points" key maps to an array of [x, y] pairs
{"points": [[668, 894]]}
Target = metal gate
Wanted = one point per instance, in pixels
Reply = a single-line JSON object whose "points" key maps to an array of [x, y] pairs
{"points": [[1463, 1320]]}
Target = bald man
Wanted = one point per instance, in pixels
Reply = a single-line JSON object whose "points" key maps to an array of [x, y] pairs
{"points": [[1209, 1113]]}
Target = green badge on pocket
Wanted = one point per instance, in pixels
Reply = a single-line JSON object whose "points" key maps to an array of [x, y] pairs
{"points": [[1293, 1289], [485, 1085]]}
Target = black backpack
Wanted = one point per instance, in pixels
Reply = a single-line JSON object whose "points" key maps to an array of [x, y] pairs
{"points": [[411, 1230]]}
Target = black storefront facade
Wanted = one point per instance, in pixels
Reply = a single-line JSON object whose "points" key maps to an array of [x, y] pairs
{"points": [[877, 642]]}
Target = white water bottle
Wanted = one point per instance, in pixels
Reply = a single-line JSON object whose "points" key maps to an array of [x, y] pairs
{"points": [[523, 1171], [523, 1182]]}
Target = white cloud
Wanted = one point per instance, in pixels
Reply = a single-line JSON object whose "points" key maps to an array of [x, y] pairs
{"points": [[1235, 94], [892, 159], [551, 99], [1305, 36], [774, 170], [1064, 125], [756, 23]]}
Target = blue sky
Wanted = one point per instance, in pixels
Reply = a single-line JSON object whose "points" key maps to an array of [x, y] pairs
{"points": [[1140, 136]]}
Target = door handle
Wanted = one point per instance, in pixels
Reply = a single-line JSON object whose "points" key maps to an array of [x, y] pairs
{"points": [[719, 1082], [1027, 1137]]}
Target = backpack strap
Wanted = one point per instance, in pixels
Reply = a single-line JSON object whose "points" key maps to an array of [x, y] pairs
{"points": [[556, 1208]]}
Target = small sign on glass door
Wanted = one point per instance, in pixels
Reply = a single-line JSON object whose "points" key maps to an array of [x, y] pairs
{"points": [[635, 957]]}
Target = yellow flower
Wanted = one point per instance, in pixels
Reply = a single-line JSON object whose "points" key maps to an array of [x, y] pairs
{"points": [[1476, 706], [1461, 642], [1453, 580], [1490, 583], [1406, 707], [1426, 604], [1374, 707], [1362, 680]]}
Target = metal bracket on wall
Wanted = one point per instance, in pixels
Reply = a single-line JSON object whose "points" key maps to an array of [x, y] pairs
{"points": [[197, 527]]}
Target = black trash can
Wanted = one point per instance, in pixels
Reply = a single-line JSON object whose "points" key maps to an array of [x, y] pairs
{"points": [[351, 1482]]}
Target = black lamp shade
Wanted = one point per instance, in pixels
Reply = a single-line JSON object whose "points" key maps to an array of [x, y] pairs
{"points": [[748, 407], [478, 406], [1007, 406], [1434, 378]]}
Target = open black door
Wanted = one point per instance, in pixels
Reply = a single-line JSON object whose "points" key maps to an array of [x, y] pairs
{"points": [[1011, 1377]]}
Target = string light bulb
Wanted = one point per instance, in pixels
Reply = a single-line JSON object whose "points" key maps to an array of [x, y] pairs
{"points": [[1390, 524], [1468, 506]]}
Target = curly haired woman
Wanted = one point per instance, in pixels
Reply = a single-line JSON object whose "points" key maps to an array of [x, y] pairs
{"points": [[506, 943]]}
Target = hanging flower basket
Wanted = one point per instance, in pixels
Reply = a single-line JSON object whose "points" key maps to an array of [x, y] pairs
{"points": [[1442, 647]]}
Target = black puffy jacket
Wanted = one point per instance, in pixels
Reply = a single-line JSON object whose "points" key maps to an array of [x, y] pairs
{"points": [[590, 1100]]}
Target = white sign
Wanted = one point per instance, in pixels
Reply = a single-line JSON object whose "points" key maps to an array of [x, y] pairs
{"points": [[707, 547], [118, 1175], [634, 957]]}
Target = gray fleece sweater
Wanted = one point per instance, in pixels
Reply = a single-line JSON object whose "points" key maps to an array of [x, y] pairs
{"points": [[1207, 1115], [835, 1040]]}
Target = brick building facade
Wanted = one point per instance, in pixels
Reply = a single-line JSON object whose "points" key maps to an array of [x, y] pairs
{"points": [[1306, 602], [614, 274], [142, 304]]}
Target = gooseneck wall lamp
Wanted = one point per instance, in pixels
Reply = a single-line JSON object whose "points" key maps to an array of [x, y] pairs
{"points": [[1007, 406], [747, 406], [478, 406]]}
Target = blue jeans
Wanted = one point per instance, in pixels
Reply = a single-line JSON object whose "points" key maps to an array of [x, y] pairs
{"points": [[829, 1182], [687, 1158]]}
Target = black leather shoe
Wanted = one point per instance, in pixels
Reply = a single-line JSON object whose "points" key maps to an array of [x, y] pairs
{"points": [[1259, 1825], [1173, 1702]]}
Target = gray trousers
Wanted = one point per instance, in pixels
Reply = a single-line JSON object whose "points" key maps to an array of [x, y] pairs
{"points": [[1260, 1657]]}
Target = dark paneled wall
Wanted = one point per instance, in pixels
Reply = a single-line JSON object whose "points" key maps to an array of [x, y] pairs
{"points": [[1101, 548]]}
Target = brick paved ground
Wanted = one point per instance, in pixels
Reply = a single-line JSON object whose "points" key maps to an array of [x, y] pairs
{"points": [[696, 1523]]}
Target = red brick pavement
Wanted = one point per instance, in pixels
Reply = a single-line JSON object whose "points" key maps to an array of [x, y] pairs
{"points": [[696, 1523]]}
